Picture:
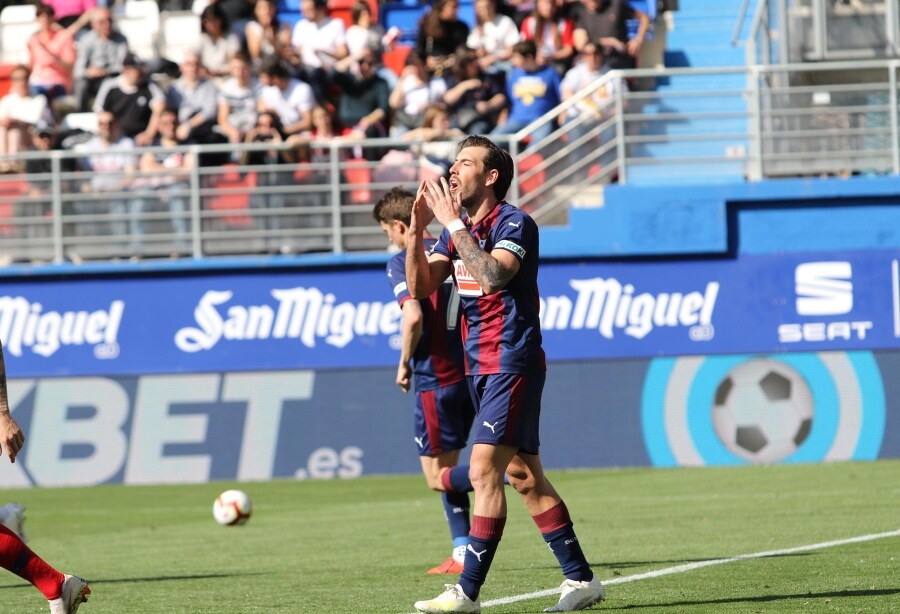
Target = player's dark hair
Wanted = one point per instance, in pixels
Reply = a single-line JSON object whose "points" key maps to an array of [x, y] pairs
{"points": [[496, 158], [395, 205]]}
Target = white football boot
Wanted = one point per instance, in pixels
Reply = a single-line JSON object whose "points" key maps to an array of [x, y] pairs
{"points": [[75, 591], [451, 600], [578, 595], [12, 515]]}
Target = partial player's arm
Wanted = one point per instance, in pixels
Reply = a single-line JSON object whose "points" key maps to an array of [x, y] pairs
{"points": [[424, 275], [11, 436], [492, 270], [410, 334]]}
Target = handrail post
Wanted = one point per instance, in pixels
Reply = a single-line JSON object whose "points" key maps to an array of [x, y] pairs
{"points": [[513, 145], [755, 169], [621, 147], [196, 221], [895, 130], [337, 226], [56, 206]]}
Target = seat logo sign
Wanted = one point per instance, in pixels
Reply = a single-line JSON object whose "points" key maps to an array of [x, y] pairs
{"points": [[823, 288]]}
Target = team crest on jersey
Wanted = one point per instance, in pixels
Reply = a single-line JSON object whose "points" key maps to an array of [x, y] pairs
{"points": [[518, 250]]}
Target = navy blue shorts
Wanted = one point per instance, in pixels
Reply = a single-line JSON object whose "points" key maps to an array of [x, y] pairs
{"points": [[508, 409], [443, 419]]}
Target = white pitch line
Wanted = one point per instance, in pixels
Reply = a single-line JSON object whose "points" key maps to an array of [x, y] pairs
{"points": [[700, 564]]}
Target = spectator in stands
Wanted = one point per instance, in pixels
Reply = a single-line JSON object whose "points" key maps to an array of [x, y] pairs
{"points": [[290, 99], [532, 89], [475, 97], [238, 13], [238, 100], [438, 151], [591, 110], [366, 33], [110, 159], [72, 14], [98, 56], [265, 35], [318, 41], [363, 106], [492, 37], [440, 34], [51, 52], [217, 42], [415, 90], [167, 174], [196, 100], [134, 99], [552, 35], [19, 113], [606, 21]]}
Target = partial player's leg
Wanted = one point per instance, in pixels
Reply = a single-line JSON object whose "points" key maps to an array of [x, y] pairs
{"points": [[64, 592], [581, 589], [442, 422]]}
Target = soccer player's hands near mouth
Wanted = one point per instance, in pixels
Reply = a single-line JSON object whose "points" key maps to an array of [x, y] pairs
{"points": [[446, 206]]}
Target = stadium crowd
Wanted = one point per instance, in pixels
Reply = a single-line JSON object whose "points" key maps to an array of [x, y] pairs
{"points": [[254, 78]]}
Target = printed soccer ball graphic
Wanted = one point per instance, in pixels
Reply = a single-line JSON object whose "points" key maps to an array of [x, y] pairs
{"points": [[763, 410], [232, 507]]}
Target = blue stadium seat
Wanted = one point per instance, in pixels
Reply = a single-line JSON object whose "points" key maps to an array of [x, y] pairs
{"points": [[403, 16]]}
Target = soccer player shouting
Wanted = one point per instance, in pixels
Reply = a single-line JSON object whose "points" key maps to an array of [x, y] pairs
{"points": [[493, 256]]}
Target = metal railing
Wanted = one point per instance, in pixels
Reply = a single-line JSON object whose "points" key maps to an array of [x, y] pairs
{"points": [[695, 125]]}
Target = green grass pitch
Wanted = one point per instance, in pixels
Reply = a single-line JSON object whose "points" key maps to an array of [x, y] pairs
{"points": [[363, 545]]}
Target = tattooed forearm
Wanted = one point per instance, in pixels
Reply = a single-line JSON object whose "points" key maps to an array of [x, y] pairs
{"points": [[484, 268]]}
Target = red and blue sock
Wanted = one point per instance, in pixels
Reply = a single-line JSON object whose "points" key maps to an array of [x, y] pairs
{"points": [[483, 541], [555, 526], [22, 561]]}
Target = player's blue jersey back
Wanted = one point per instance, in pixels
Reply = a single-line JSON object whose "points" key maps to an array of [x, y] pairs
{"points": [[438, 358], [501, 331]]}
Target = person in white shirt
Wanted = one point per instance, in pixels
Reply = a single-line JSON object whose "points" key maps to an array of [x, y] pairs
{"points": [[415, 90], [318, 40], [238, 100], [493, 36], [19, 112], [289, 98]]}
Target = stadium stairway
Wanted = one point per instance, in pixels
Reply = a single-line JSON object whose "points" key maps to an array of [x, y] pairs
{"points": [[698, 35]]}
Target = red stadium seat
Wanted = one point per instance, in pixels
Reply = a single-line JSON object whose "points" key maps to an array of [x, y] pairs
{"points": [[395, 59], [11, 188], [5, 81], [531, 179], [237, 203], [342, 9], [359, 176]]}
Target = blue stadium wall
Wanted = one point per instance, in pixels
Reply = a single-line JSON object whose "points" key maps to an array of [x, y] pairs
{"points": [[752, 323]]}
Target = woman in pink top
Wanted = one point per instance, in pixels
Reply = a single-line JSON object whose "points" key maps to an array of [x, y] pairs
{"points": [[52, 52], [71, 11]]}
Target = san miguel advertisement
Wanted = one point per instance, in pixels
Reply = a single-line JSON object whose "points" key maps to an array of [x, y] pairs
{"points": [[763, 359], [777, 303]]}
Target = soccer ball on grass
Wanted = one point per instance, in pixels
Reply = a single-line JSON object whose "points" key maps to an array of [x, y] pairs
{"points": [[232, 507]]}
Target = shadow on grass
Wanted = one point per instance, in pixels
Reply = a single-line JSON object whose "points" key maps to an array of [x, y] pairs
{"points": [[617, 565], [207, 576], [881, 592]]}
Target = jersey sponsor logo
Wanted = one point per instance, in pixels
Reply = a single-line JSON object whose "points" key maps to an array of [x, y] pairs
{"points": [[465, 283], [512, 247], [515, 224], [400, 288], [607, 305], [25, 324], [305, 314]]}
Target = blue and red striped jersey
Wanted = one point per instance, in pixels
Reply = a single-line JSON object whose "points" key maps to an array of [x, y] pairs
{"points": [[438, 357], [501, 331]]}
